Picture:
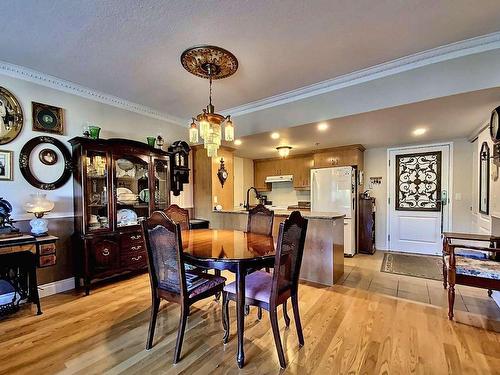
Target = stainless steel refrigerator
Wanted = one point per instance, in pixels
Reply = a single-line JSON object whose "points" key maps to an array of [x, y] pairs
{"points": [[335, 190]]}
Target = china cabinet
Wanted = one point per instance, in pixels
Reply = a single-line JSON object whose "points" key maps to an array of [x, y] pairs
{"points": [[117, 183]]}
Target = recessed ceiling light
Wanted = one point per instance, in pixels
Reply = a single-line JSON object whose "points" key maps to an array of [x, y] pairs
{"points": [[419, 131], [237, 142], [322, 126], [275, 135]]}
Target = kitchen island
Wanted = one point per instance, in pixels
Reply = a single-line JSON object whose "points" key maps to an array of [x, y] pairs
{"points": [[323, 260]]}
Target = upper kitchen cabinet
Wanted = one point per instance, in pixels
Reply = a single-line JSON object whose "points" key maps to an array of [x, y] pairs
{"points": [[352, 155], [298, 166]]}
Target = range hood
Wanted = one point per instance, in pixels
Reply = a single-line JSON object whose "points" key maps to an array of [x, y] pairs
{"points": [[284, 178]]}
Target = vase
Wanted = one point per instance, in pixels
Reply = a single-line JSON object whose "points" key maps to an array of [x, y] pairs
{"points": [[151, 141], [94, 131]]}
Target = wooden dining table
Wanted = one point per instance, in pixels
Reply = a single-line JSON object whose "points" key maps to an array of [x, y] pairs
{"points": [[235, 251]]}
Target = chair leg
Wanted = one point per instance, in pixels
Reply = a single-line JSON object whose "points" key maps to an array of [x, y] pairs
{"points": [[247, 310], [296, 317], [180, 333], [225, 317], [490, 292], [285, 315], [155, 305], [259, 313], [217, 295], [445, 275], [451, 300], [273, 315]]}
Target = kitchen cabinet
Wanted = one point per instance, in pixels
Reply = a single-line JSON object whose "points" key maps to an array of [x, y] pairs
{"points": [[299, 166], [340, 157]]}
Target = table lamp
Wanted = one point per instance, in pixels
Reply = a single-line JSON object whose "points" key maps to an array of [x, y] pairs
{"points": [[39, 205]]}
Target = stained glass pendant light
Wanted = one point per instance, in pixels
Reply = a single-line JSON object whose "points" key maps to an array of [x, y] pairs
{"points": [[210, 62]]}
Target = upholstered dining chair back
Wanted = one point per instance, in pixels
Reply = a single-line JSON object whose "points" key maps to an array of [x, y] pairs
{"points": [[178, 215], [260, 220], [288, 260], [164, 246]]}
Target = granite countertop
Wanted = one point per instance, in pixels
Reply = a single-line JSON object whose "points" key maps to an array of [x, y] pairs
{"points": [[308, 214]]}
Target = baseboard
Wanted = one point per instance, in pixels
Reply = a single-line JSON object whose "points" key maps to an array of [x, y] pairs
{"points": [[55, 287]]}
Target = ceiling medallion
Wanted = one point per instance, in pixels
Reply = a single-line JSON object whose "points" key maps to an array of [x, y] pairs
{"points": [[210, 62]]}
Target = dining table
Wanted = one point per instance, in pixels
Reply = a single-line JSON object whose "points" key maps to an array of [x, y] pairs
{"points": [[231, 250]]}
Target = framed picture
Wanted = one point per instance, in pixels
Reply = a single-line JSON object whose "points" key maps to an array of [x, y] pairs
{"points": [[47, 118], [6, 170]]}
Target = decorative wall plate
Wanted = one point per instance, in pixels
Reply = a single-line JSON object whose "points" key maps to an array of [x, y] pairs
{"points": [[47, 118], [11, 116], [24, 163]]}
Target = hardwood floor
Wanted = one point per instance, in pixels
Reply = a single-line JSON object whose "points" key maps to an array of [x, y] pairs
{"points": [[373, 323]]}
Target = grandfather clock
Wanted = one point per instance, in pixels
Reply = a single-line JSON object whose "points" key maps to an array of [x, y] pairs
{"points": [[179, 154]]}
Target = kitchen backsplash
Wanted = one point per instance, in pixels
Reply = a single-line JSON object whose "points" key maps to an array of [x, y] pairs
{"points": [[283, 194]]}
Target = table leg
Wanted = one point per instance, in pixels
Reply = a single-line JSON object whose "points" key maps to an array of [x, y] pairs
{"points": [[240, 313]]}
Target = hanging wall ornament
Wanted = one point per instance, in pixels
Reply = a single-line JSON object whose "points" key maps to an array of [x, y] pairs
{"points": [[26, 168]]}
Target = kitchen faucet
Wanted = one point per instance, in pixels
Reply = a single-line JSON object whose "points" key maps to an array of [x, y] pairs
{"points": [[257, 195]]}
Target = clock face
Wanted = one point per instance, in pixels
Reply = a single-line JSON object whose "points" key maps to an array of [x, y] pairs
{"points": [[495, 125], [224, 174]]}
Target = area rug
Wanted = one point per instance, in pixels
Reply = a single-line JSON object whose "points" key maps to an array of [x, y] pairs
{"points": [[424, 266]]}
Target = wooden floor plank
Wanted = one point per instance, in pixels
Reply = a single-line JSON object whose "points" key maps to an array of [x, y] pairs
{"points": [[372, 323]]}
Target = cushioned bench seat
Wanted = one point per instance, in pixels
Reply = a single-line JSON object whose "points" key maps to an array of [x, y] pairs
{"points": [[483, 268]]}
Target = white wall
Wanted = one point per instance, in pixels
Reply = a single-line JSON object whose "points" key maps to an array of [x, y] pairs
{"points": [[376, 166], [243, 179], [115, 122], [283, 194]]}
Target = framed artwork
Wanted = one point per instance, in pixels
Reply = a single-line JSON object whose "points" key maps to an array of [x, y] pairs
{"points": [[6, 164], [47, 118], [11, 116]]}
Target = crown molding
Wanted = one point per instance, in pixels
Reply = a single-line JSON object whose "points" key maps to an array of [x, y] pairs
{"points": [[447, 52], [33, 76]]}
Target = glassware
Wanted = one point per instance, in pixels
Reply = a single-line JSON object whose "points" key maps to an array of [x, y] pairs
{"points": [[151, 141], [94, 131]]}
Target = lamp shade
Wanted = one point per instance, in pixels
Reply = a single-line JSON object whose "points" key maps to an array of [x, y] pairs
{"points": [[229, 130], [38, 204]]}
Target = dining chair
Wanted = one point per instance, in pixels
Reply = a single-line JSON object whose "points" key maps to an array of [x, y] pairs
{"points": [[178, 215], [260, 220], [168, 278], [268, 291]]}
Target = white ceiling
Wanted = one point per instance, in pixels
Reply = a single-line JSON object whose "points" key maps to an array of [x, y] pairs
{"points": [[131, 48], [446, 118]]}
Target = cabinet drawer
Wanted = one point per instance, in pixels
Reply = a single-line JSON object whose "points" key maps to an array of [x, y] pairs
{"points": [[133, 259], [47, 248], [130, 240], [47, 260]]}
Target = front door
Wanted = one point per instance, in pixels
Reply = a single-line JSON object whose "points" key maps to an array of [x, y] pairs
{"points": [[418, 204]]}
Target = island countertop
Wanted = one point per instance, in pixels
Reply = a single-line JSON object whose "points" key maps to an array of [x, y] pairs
{"points": [[286, 213], [323, 260]]}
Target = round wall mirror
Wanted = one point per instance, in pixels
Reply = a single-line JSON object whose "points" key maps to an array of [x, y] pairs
{"points": [[11, 116], [45, 163]]}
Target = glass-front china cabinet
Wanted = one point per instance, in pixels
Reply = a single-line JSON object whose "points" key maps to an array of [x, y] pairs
{"points": [[117, 183]]}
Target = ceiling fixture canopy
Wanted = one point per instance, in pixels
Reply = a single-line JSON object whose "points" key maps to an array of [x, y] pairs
{"points": [[210, 62], [284, 151]]}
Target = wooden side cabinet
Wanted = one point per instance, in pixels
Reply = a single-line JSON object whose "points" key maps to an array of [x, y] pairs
{"points": [[366, 227]]}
